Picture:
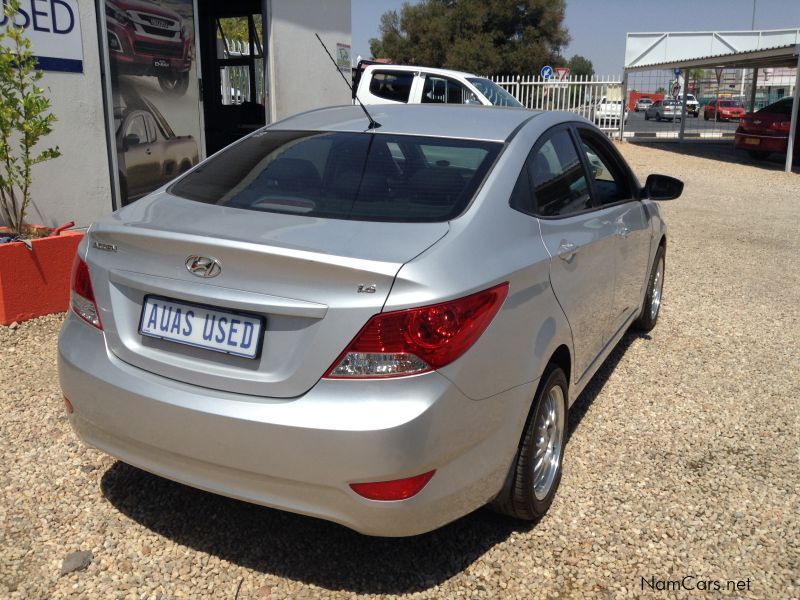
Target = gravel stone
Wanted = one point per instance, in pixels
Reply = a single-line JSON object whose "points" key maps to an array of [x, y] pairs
{"points": [[682, 457], [76, 561]]}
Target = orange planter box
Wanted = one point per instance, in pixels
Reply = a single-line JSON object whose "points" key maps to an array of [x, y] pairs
{"points": [[36, 282]]}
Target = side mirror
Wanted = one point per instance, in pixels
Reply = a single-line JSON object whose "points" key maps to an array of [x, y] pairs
{"points": [[130, 140], [662, 187]]}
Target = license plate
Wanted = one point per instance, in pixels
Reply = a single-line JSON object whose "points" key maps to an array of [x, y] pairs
{"points": [[161, 63], [752, 141], [202, 326]]}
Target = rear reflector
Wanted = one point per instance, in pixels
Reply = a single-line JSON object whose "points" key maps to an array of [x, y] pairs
{"points": [[398, 489], [81, 297], [408, 342]]}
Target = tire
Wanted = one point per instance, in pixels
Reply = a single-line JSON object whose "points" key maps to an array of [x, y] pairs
{"points": [[528, 492], [705, 116], [646, 118], [758, 154], [651, 307], [658, 116], [174, 83]]}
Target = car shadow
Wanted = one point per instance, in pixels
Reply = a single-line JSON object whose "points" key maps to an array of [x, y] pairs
{"points": [[722, 151], [312, 550], [302, 548]]}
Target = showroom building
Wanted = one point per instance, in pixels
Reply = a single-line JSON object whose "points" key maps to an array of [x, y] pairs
{"points": [[144, 89]]}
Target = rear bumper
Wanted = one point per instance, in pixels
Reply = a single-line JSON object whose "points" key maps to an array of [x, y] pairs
{"points": [[766, 143], [300, 455]]}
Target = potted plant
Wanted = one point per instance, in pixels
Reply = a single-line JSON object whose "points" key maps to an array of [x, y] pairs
{"points": [[34, 263]]}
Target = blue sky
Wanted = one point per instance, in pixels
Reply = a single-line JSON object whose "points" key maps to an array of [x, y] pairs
{"points": [[598, 27]]}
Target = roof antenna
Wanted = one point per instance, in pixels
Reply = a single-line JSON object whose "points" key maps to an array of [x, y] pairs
{"points": [[373, 124]]}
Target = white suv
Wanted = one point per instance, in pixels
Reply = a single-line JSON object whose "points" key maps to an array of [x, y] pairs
{"points": [[377, 83]]}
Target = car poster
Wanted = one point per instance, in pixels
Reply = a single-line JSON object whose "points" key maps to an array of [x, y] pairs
{"points": [[155, 92]]}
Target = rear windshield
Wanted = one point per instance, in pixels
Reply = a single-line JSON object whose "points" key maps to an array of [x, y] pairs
{"points": [[357, 176], [781, 107], [730, 104]]}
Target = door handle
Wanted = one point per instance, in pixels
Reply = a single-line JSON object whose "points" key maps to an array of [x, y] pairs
{"points": [[623, 231], [567, 250]]}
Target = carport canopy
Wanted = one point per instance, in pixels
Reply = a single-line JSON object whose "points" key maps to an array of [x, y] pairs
{"points": [[726, 49]]}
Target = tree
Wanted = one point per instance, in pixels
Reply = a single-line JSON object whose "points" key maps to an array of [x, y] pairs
{"points": [[580, 66], [694, 75], [497, 37]]}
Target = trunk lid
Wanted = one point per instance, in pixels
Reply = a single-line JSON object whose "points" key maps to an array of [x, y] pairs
{"points": [[300, 274]]}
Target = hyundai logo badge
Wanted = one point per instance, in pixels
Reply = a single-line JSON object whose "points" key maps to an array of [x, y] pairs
{"points": [[203, 266]]}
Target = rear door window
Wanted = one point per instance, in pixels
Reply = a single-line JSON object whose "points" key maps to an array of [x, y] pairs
{"points": [[443, 90], [558, 180], [391, 85], [360, 176]]}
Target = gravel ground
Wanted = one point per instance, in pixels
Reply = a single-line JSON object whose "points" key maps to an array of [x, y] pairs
{"points": [[683, 457]]}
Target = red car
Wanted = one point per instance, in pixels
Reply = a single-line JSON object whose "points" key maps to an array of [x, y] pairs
{"points": [[767, 130], [147, 39], [723, 110]]}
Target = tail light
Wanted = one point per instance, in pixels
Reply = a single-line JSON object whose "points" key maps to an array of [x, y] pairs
{"points": [[81, 297], [783, 126], [408, 342], [398, 489]]}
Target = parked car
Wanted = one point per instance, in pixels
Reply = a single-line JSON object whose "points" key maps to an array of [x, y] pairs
{"points": [[723, 110], [664, 109], [767, 130], [147, 39], [378, 83], [692, 105], [609, 111], [643, 103], [381, 327], [148, 151]]}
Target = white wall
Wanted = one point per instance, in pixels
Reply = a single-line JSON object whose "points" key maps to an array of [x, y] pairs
{"points": [[302, 77], [76, 186]]}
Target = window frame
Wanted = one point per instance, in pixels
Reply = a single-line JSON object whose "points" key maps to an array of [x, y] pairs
{"points": [[448, 81], [617, 161], [395, 73], [572, 127]]}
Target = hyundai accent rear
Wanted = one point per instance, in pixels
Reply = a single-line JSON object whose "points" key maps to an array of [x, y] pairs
{"points": [[351, 322]]}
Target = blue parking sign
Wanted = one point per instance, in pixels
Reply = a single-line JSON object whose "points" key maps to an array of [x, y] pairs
{"points": [[546, 72], [678, 72]]}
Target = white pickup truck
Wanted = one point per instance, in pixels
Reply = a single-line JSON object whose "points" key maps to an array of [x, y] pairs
{"points": [[378, 83], [692, 105]]}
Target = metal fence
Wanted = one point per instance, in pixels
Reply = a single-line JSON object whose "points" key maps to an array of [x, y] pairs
{"points": [[599, 99], [236, 84]]}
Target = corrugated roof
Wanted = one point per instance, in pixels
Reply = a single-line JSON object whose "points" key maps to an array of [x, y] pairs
{"points": [[773, 48]]}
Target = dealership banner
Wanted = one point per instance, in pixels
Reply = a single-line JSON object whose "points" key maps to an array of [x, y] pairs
{"points": [[54, 29], [155, 92]]}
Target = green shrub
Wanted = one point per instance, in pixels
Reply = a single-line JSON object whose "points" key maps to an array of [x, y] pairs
{"points": [[24, 121]]}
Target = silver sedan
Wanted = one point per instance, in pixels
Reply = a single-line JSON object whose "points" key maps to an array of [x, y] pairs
{"points": [[380, 326], [664, 110]]}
